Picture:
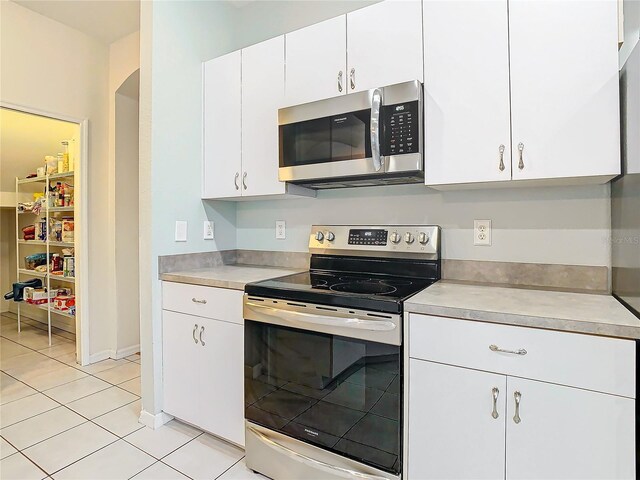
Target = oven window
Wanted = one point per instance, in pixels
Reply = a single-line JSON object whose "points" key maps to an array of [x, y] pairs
{"points": [[328, 139], [338, 393]]}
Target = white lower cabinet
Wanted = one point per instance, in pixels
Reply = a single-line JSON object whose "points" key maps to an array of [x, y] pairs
{"points": [[452, 432], [203, 362], [465, 423], [568, 433]]}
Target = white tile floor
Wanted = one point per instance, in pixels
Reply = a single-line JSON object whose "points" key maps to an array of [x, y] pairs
{"points": [[62, 421]]}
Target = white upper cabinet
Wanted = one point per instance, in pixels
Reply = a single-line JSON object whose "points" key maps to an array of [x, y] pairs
{"points": [[566, 432], [564, 88], [316, 62], [466, 92], [384, 45], [262, 95], [222, 135]]}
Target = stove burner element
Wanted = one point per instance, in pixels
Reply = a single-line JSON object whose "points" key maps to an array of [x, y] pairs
{"points": [[349, 278], [364, 288]]}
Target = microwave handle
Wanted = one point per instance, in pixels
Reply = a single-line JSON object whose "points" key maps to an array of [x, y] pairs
{"points": [[376, 105]]}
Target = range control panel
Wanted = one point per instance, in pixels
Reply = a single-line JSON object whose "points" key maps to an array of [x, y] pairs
{"points": [[360, 236], [401, 126], [376, 240]]}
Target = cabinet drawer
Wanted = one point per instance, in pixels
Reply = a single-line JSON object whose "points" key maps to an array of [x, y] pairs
{"points": [[585, 361], [217, 303]]}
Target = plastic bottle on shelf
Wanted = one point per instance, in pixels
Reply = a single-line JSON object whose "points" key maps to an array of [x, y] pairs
{"points": [[65, 157]]}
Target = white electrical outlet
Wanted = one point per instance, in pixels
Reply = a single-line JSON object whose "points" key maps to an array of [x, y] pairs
{"points": [[281, 230], [207, 232], [482, 232], [181, 231]]}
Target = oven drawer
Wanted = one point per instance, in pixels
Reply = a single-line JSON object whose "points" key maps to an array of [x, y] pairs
{"points": [[602, 364], [211, 302]]}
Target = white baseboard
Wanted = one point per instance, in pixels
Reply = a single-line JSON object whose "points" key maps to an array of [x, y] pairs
{"points": [[154, 421], [125, 352], [105, 354], [99, 356]]}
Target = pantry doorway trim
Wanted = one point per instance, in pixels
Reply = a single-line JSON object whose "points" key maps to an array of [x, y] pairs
{"points": [[81, 216]]}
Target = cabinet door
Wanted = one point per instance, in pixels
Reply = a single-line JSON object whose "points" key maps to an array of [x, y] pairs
{"points": [[568, 433], [384, 44], [466, 92], [452, 432], [316, 57], [222, 145], [221, 359], [564, 88], [262, 95], [180, 365]]}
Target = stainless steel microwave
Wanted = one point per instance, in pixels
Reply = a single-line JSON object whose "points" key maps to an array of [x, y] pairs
{"points": [[367, 138]]}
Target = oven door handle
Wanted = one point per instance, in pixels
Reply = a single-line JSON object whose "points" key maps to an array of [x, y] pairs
{"points": [[300, 317], [376, 105], [347, 473]]}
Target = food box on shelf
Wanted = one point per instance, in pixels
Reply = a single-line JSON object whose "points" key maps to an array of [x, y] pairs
{"points": [[64, 303], [39, 296], [67, 229]]}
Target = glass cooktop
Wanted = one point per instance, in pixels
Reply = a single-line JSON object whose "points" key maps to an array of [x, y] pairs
{"points": [[384, 293]]}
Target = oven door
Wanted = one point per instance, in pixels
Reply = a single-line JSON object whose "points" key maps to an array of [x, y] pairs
{"points": [[339, 393]]}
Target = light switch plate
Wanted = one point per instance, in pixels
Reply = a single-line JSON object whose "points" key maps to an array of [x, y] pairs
{"points": [[208, 231], [281, 230], [181, 231], [482, 232]]}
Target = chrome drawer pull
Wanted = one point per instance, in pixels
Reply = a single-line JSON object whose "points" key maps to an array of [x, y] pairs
{"points": [[193, 334], [352, 78], [495, 348], [195, 300], [340, 81], [235, 180], [495, 392], [201, 332], [517, 396]]}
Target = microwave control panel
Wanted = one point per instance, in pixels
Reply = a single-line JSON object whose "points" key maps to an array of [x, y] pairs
{"points": [[401, 126]]}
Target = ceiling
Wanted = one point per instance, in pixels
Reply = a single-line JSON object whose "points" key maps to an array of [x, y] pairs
{"points": [[24, 141], [106, 20]]}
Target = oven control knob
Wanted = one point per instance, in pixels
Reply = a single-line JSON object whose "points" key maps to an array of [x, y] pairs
{"points": [[395, 237], [319, 236], [423, 238], [408, 238], [330, 236]]}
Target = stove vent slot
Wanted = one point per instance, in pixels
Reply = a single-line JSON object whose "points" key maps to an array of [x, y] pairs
{"points": [[297, 304], [377, 316], [327, 308]]}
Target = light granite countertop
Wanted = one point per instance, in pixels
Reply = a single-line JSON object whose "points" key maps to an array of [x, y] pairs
{"points": [[226, 276], [573, 312]]}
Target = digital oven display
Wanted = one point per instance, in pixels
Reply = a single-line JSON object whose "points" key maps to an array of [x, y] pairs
{"points": [[367, 237]]}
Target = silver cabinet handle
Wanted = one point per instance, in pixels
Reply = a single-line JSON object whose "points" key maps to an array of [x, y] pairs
{"points": [[244, 180], [235, 181], [494, 393], [495, 348], [517, 396], [520, 149], [501, 165], [340, 81], [352, 78], [193, 334], [201, 332], [376, 103], [334, 470], [195, 300]]}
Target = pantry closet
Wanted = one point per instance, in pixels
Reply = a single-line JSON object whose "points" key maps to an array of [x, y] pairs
{"points": [[40, 161]]}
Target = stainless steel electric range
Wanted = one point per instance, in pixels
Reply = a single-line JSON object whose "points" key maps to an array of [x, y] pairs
{"points": [[323, 354]]}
